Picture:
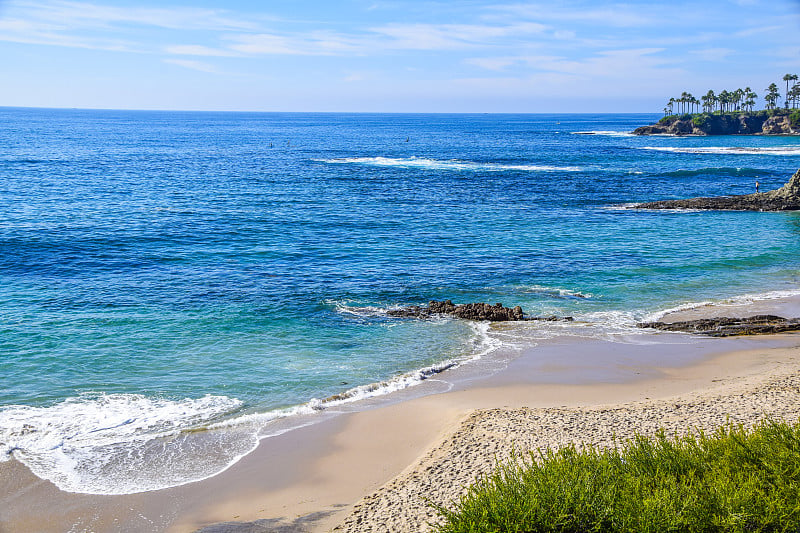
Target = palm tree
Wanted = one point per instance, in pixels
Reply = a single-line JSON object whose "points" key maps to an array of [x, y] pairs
{"points": [[724, 99], [709, 100], [787, 78], [750, 98], [684, 100], [670, 104], [794, 95], [772, 96]]}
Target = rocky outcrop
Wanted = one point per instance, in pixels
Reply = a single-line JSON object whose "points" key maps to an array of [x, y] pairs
{"points": [[470, 311], [787, 198], [777, 125], [727, 326], [758, 123]]}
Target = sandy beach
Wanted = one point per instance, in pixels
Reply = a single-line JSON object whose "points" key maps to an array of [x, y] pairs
{"points": [[376, 469]]}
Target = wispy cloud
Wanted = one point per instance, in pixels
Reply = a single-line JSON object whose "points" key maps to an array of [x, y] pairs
{"points": [[619, 15], [193, 65], [712, 54], [451, 36], [36, 32], [198, 50], [91, 15], [601, 64]]}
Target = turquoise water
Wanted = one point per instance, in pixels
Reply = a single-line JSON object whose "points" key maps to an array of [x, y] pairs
{"points": [[162, 271]]}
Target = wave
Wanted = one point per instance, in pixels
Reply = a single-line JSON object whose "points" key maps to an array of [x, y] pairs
{"points": [[734, 301], [714, 171], [112, 444], [123, 443], [451, 164], [726, 150], [605, 133], [127, 443], [554, 292]]}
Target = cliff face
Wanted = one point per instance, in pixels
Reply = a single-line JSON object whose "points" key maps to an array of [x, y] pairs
{"points": [[787, 198], [728, 124]]}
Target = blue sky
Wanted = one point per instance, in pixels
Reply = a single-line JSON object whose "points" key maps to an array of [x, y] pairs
{"points": [[390, 56]]}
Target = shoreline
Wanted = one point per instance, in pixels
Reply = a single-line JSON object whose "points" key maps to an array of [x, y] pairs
{"points": [[313, 478]]}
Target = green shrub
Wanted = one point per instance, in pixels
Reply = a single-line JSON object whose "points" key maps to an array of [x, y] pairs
{"points": [[702, 121], [736, 480], [794, 119]]}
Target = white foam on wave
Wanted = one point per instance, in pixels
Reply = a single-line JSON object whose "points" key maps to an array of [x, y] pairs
{"points": [[606, 133], [735, 301], [366, 311], [451, 164], [123, 443], [126, 443], [482, 344], [727, 150], [554, 292]]}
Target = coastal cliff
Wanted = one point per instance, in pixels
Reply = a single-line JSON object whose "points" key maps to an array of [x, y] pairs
{"points": [[757, 123], [787, 198]]}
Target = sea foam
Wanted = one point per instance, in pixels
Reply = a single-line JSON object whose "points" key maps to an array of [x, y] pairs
{"points": [[123, 443], [606, 133], [734, 301], [451, 164], [728, 150]]}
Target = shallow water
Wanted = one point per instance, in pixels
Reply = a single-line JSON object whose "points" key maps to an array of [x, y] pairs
{"points": [[169, 271]]}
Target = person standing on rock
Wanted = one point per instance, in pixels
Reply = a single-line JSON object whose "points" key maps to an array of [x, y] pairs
{"points": [[757, 186]]}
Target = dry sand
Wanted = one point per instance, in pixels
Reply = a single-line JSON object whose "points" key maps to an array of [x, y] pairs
{"points": [[490, 435], [459, 436]]}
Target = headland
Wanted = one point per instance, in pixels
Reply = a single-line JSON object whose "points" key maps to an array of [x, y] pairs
{"points": [[765, 122]]}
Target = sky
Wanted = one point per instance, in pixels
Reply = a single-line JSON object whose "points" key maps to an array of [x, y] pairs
{"points": [[482, 56]]}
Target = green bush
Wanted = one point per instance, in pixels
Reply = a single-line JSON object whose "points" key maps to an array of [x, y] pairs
{"points": [[794, 119], [736, 480], [702, 121]]}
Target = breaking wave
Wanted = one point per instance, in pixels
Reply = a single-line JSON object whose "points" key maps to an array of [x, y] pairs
{"points": [[451, 164], [605, 133], [728, 150], [123, 443]]}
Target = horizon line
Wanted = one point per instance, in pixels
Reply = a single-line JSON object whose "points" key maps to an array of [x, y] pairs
{"points": [[156, 110]]}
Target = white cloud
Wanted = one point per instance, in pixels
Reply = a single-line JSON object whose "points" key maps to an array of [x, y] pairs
{"points": [[193, 65], [619, 15], [45, 33], [451, 36], [89, 15], [712, 54], [492, 63], [198, 50]]}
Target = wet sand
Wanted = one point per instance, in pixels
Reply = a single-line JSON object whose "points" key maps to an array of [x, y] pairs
{"points": [[371, 470]]}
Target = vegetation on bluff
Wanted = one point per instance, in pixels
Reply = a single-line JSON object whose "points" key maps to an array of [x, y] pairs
{"points": [[736, 100], [731, 113], [735, 480]]}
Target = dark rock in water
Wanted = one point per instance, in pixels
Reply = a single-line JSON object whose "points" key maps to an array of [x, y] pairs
{"points": [[726, 326], [470, 311], [787, 198]]}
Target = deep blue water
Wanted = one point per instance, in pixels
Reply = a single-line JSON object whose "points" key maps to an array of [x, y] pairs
{"points": [[197, 265]]}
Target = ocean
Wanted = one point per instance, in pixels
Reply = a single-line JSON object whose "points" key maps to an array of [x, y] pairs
{"points": [[175, 286]]}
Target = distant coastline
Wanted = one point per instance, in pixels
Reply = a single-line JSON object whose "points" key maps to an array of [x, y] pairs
{"points": [[765, 122]]}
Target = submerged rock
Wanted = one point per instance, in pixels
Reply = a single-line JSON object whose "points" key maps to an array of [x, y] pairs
{"points": [[470, 311], [727, 326], [787, 198]]}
